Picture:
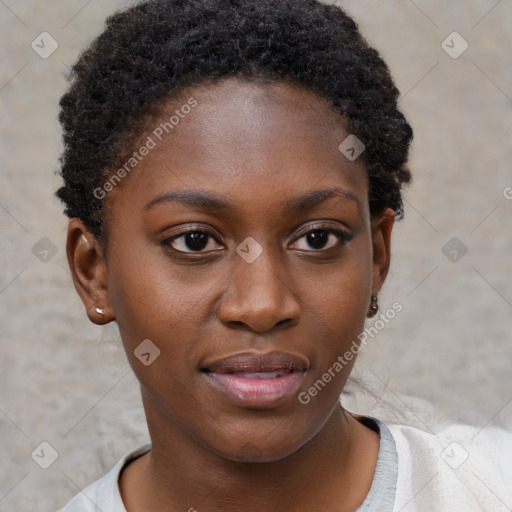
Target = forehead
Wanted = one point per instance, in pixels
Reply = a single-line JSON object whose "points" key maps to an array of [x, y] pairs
{"points": [[249, 115], [256, 142]]}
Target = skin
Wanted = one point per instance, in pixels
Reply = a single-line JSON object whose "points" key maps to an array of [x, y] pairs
{"points": [[256, 147]]}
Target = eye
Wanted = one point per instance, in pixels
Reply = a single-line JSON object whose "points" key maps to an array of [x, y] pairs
{"points": [[322, 238], [192, 241]]}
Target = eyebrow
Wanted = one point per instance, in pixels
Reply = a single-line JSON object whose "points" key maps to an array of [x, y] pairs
{"points": [[208, 201]]}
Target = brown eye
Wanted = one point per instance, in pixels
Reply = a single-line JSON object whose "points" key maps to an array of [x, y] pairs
{"points": [[190, 242], [320, 239]]}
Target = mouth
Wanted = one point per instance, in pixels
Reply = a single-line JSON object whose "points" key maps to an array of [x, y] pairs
{"points": [[257, 380]]}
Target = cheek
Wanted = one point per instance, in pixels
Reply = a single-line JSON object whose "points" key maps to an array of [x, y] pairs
{"points": [[172, 306], [151, 303], [337, 306], [149, 296]]}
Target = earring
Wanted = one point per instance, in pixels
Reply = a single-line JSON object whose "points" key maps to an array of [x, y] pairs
{"points": [[97, 310], [374, 307]]}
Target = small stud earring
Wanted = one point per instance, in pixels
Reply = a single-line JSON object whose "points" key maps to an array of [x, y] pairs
{"points": [[374, 307], [100, 311]]}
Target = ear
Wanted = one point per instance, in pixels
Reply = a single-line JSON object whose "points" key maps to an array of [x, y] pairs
{"points": [[382, 225], [89, 271]]}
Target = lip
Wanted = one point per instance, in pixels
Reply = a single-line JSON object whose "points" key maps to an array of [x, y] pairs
{"points": [[257, 380]]}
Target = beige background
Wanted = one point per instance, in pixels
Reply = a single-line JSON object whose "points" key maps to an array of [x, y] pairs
{"points": [[67, 382]]}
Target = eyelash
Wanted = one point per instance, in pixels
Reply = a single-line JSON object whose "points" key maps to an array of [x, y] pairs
{"points": [[343, 238]]}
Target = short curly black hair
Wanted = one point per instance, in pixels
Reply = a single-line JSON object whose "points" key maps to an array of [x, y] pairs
{"points": [[156, 48]]}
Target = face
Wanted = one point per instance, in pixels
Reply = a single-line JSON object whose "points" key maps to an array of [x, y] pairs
{"points": [[241, 246]]}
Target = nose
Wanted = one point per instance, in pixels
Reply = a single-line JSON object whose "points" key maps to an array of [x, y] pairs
{"points": [[259, 296]]}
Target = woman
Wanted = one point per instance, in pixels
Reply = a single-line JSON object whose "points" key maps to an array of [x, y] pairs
{"points": [[232, 173]]}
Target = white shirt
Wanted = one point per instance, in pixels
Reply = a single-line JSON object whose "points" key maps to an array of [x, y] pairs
{"points": [[459, 469]]}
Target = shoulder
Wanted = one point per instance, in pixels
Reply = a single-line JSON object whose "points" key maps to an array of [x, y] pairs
{"points": [[458, 467], [104, 493]]}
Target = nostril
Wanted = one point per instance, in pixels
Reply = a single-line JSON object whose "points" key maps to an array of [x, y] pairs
{"points": [[235, 324], [287, 322]]}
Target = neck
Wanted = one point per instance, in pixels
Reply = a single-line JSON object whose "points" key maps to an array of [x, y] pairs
{"points": [[333, 471]]}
